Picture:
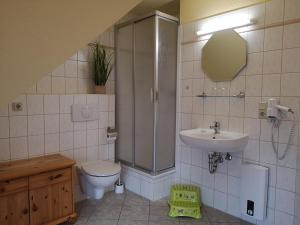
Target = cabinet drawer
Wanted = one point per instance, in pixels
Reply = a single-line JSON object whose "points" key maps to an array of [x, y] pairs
{"points": [[49, 178], [12, 186]]}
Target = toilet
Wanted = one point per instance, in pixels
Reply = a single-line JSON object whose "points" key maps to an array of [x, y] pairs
{"points": [[96, 176]]}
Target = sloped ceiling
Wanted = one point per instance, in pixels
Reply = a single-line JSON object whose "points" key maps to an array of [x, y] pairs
{"points": [[36, 36], [147, 6]]}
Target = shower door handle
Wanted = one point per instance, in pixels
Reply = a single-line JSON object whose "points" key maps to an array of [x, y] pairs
{"points": [[151, 95]]}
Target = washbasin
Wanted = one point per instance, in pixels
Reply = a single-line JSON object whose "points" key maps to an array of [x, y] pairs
{"points": [[207, 140]]}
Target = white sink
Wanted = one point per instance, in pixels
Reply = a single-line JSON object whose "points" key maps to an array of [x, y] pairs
{"points": [[207, 140]]}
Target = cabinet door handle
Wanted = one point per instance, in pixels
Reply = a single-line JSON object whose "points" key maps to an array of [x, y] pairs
{"points": [[34, 208], [55, 177]]}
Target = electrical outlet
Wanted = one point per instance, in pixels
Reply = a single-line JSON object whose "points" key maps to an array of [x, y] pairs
{"points": [[262, 110], [17, 106]]}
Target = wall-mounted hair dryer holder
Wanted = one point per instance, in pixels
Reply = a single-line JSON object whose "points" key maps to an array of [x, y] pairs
{"points": [[273, 110]]}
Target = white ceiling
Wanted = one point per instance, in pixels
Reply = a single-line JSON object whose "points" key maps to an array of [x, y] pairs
{"points": [[167, 6]]}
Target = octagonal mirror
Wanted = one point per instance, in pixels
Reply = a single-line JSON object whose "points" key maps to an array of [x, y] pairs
{"points": [[224, 55]]}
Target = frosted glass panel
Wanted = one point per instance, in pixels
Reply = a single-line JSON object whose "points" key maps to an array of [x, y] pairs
{"points": [[166, 107], [124, 94], [144, 34]]}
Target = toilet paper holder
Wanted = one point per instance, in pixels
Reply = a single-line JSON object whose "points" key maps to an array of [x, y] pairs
{"points": [[111, 134]]}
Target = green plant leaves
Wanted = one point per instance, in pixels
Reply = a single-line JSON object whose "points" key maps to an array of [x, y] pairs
{"points": [[101, 63]]}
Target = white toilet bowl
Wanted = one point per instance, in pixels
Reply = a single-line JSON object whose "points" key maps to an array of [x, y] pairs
{"points": [[96, 176]]}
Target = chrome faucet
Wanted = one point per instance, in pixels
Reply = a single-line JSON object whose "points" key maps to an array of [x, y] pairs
{"points": [[216, 126]]}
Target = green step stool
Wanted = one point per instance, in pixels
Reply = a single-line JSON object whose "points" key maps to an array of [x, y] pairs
{"points": [[185, 201]]}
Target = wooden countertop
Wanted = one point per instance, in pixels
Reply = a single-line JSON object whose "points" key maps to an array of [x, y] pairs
{"points": [[28, 167]]}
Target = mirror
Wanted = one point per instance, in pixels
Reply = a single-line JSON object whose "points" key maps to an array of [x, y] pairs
{"points": [[224, 55]]}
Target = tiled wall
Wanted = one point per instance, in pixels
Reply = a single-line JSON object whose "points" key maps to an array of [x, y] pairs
{"points": [[273, 70], [44, 125], [74, 75]]}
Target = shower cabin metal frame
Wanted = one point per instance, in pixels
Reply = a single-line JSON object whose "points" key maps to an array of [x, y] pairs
{"points": [[158, 15]]}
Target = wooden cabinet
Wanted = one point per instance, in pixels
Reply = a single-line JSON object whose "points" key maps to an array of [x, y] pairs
{"points": [[14, 209], [43, 197]]}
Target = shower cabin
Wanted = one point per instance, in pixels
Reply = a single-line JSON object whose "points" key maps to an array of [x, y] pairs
{"points": [[146, 73]]}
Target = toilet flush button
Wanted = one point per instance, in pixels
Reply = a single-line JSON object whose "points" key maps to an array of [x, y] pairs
{"points": [[85, 112]]}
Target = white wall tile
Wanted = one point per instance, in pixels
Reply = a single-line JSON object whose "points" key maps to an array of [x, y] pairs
{"points": [[291, 38], [44, 85], [83, 69], [79, 139], [234, 186], [254, 64], [187, 87], [255, 41], [52, 123], [71, 68], [233, 207], [283, 218], [4, 127], [290, 84], [286, 178], [251, 151], [273, 38], [251, 107], [92, 137], [4, 110], [65, 123], [18, 148], [35, 125], [290, 62], [271, 85], [58, 85], [51, 104], [285, 201], [51, 143], [272, 62], [18, 126], [5, 151], [59, 71], [267, 154], [196, 174], [65, 102], [36, 145], [35, 104], [66, 141], [221, 182], [253, 85], [71, 85], [274, 11], [220, 201], [292, 8]]}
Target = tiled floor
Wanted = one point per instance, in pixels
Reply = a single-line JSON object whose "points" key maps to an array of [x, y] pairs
{"points": [[131, 209]]}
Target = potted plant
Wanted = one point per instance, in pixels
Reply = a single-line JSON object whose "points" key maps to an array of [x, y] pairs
{"points": [[102, 67]]}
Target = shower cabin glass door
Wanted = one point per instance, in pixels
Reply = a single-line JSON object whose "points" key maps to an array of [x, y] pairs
{"points": [[146, 63], [144, 47]]}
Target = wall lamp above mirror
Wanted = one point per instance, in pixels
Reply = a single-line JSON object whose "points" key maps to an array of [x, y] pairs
{"points": [[224, 22]]}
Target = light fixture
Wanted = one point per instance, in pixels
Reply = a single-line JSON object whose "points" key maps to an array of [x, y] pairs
{"points": [[224, 22]]}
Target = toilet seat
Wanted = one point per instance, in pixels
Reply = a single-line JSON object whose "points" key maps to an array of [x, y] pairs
{"points": [[101, 168]]}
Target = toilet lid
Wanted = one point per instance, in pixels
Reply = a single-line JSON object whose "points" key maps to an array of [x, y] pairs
{"points": [[101, 168]]}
